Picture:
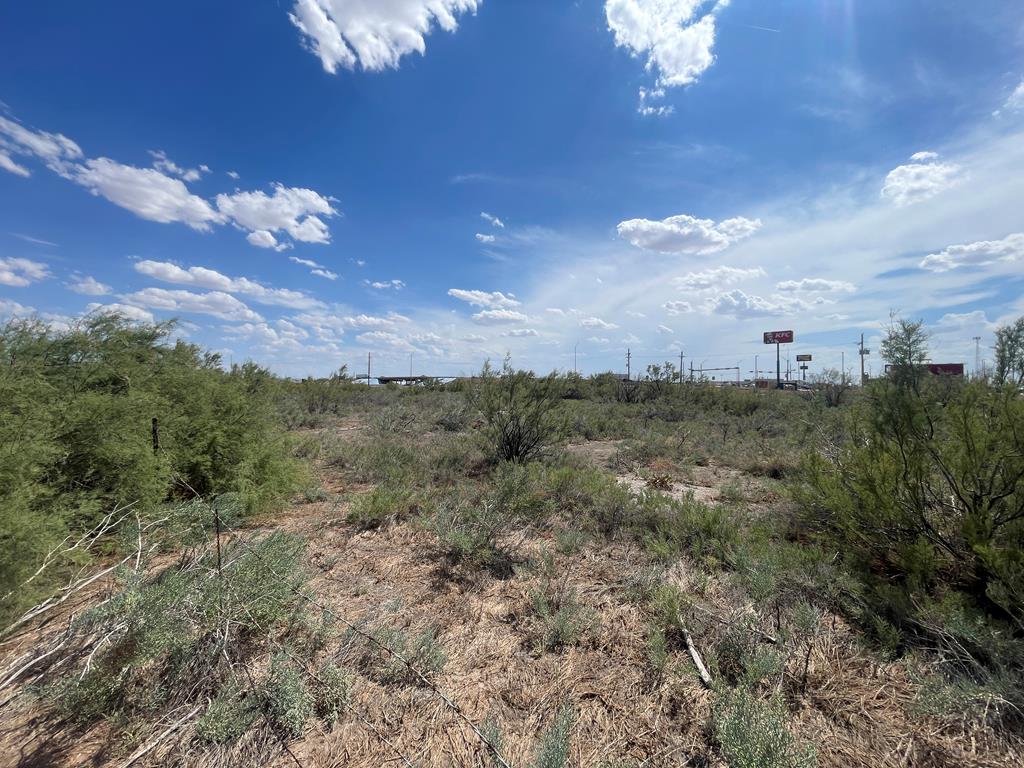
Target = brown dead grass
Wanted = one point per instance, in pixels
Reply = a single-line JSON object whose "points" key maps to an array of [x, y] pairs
{"points": [[857, 710]]}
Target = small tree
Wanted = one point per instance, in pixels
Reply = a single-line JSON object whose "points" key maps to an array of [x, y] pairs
{"points": [[520, 412], [1010, 353], [833, 385], [905, 349]]}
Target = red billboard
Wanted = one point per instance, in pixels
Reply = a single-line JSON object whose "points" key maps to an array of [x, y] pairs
{"points": [[946, 369], [778, 337]]}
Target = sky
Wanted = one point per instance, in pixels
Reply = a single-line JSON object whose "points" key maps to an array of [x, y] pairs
{"points": [[437, 183]]}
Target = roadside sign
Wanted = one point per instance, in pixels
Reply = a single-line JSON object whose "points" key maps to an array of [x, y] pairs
{"points": [[804, 358], [778, 337]]}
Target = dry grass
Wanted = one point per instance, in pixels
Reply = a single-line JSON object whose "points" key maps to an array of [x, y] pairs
{"points": [[857, 710]]}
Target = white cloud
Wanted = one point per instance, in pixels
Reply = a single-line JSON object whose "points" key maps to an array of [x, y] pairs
{"points": [[497, 316], [678, 307], [261, 238], [1015, 101], [474, 338], [202, 277], [234, 175], [815, 285], [521, 333], [18, 273], [88, 286], [736, 303], [293, 210], [977, 254], [687, 235], [675, 35], [494, 220], [125, 310], [315, 269], [715, 278], [373, 33], [216, 303], [647, 109], [664, 329], [167, 166], [8, 164], [387, 339], [492, 300], [597, 322], [485, 238], [922, 178], [384, 285], [55, 149], [147, 193]]}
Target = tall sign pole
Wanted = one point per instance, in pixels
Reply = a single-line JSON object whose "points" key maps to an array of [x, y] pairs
{"points": [[778, 338]]}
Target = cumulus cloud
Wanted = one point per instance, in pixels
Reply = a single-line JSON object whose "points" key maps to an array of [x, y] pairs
{"points": [[483, 299], [147, 193], [202, 277], [597, 322], [127, 311], [18, 273], [521, 333], [923, 177], [647, 108], [979, 254], [678, 307], [715, 278], [494, 220], [294, 210], [55, 150], [499, 316], [485, 238], [815, 285], [686, 234], [375, 34], [165, 165], [385, 285], [218, 304], [315, 269], [88, 286], [261, 238], [676, 36], [736, 303]]}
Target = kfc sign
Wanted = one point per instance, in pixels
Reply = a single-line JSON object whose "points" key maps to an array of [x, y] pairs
{"points": [[778, 337]]}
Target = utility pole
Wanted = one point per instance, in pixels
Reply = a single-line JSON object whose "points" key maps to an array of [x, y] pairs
{"points": [[368, 355], [629, 359], [680, 366], [862, 353], [691, 371], [410, 365], [977, 356]]}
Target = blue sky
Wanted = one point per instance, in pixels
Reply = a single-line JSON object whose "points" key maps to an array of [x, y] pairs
{"points": [[305, 181]]}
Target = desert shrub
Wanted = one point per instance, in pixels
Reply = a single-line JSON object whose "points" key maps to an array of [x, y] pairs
{"points": [[386, 460], [384, 504], [422, 651], [332, 689], [564, 619], [669, 528], [289, 703], [657, 650], [753, 734], [109, 413], [520, 413], [925, 502], [553, 751], [470, 531], [164, 636]]}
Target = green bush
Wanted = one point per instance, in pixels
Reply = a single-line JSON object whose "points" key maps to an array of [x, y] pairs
{"points": [[110, 413], [520, 413], [385, 503]]}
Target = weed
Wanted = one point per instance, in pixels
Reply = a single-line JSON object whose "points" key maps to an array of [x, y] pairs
{"points": [[554, 744], [384, 504], [752, 734]]}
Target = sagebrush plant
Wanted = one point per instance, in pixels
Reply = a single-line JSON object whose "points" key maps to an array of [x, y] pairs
{"points": [[753, 733], [553, 751]]}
